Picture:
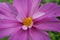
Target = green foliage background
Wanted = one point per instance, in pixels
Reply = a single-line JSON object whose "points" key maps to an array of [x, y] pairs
{"points": [[53, 35]]}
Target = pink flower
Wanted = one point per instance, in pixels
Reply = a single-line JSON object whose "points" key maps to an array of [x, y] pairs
{"points": [[25, 20]]}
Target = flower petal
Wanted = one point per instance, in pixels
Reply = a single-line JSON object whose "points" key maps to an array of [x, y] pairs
{"points": [[39, 35], [21, 6], [8, 10], [20, 35], [4, 23], [24, 7], [48, 24], [8, 31], [50, 10], [34, 6], [37, 15]]}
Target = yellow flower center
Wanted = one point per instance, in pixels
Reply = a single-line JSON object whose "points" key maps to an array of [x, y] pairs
{"points": [[27, 21]]}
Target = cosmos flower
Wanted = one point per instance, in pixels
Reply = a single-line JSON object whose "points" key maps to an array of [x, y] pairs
{"points": [[27, 20]]}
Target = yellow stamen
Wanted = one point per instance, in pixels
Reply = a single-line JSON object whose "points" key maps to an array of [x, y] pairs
{"points": [[27, 21]]}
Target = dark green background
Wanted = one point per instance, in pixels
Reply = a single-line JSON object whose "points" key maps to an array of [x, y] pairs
{"points": [[53, 35]]}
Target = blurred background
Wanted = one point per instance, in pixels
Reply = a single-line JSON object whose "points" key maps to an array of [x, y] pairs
{"points": [[53, 35]]}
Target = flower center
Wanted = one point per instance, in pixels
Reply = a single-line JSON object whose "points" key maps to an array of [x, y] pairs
{"points": [[27, 21]]}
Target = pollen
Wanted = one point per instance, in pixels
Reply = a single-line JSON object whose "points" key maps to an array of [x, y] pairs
{"points": [[27, 21]]}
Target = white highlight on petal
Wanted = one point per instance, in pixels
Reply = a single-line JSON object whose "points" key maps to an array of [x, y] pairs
{"points": [[24, 27], [37, 15], [31, 25]]}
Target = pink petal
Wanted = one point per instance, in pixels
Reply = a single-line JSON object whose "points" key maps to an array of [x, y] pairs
{"points": [[4, 23], [20, 35], [48, 24], [39, 35], [7, 10], [8, 31], [34, 6], [21, 6], [37, 15], [25, 7], [50, 10]]}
